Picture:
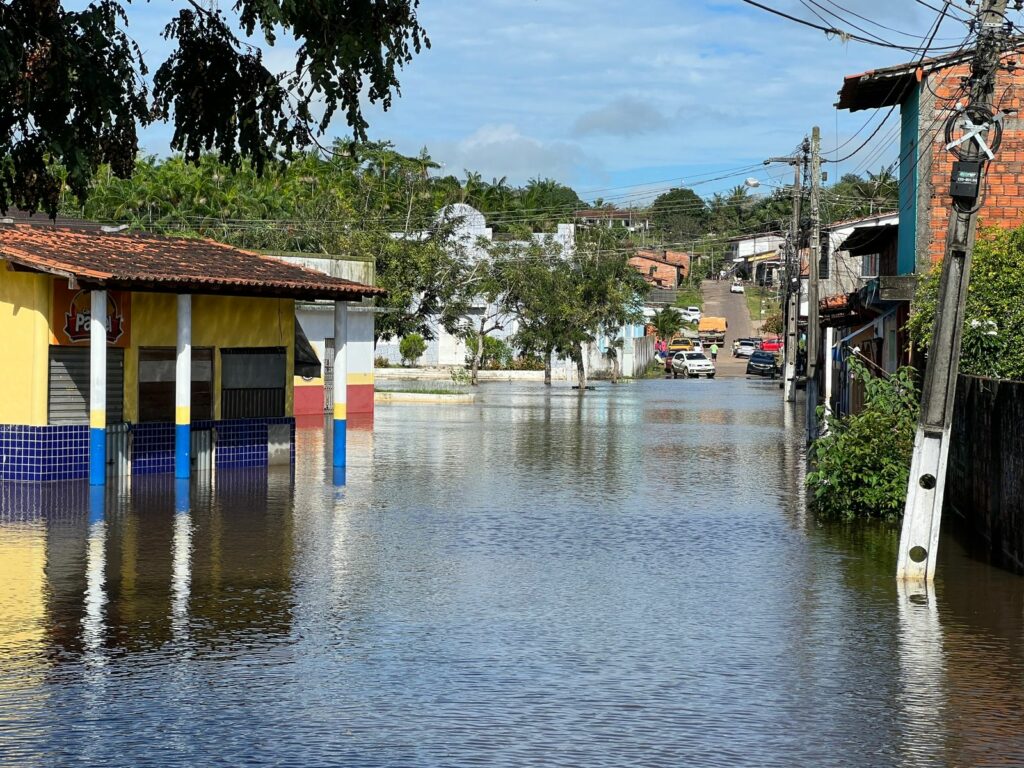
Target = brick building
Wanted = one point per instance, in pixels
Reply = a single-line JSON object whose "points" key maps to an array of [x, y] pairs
{"points": [[926, 92], [658, 270]]}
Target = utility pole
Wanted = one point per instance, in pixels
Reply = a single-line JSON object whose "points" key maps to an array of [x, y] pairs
{"points": [[813, 331], [982, 130], [792, 275]]}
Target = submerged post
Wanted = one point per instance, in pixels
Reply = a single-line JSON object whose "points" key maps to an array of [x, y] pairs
{"points": [[183, 391], [340, 381], [98, 389]]}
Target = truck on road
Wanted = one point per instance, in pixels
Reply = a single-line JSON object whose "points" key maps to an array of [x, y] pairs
{"points": [[711, 330]]}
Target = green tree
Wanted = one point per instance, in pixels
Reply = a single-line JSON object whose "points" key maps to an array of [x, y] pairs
{"points": [[667, 323], [679, 215], [76, 87], [411, 348], [993, 333]]}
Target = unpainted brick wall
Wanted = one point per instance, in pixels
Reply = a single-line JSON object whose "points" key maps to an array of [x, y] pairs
{"points": [[1004, 188]]}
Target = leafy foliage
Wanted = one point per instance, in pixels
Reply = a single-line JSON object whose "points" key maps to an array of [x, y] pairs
{"points": [[861, 467], [679, 215], [667, 323], [411, 348], [497, 355], [772, 324], [993, 332], [76, 90]]}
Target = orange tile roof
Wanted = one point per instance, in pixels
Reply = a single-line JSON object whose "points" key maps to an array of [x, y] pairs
{"points": [[148, 262]]}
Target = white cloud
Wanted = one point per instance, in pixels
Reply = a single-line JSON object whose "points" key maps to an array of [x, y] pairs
{"points": [[625, 116], [502, 150]]}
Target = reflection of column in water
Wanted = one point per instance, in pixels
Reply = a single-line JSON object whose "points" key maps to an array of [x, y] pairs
{"points": [[792, 464], [95, 590], [921, 696], [181, 559]]}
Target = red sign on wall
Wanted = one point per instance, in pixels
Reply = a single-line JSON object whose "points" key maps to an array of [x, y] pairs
{"points": [[72, 316]]}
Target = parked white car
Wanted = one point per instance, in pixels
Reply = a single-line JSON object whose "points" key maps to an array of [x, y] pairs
{"points": [[694, 313], [692, 365], [736, 288], [744, 348]]}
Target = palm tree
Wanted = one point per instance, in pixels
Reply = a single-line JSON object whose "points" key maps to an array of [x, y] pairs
{"points": [[667, 322]]}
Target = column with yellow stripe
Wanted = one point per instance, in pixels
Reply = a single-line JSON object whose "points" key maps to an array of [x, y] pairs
{"points": [[340, 381], [98, 389], [183, 391]]}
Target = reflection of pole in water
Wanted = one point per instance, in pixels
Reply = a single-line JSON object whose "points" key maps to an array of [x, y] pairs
{"points": [[792, 464], [95, 568], [921, 696], [181, 562]]}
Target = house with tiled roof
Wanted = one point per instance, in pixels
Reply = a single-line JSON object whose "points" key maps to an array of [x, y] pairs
{"points": [[123, 350]]}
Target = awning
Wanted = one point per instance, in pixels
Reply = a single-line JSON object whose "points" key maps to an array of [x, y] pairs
{"points": [[876, 323], [307, 364], [867, 240]]}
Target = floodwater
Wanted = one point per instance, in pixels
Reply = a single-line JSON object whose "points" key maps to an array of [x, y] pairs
{"points": [[533, 580]]}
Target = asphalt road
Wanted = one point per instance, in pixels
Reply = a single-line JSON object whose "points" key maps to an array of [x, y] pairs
{"points": [[718, 302]]}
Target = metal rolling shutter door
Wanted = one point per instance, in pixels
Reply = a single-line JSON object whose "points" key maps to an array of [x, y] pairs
{"points": [[68, 400]]}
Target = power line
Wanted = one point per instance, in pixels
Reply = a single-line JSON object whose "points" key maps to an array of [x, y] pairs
{"points": [[834, 30]]}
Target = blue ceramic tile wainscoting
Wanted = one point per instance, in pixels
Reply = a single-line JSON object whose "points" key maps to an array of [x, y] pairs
{"points": [[39, 454]]}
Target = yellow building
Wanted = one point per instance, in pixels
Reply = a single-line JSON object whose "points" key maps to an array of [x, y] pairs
{"points": [[196, 347]]}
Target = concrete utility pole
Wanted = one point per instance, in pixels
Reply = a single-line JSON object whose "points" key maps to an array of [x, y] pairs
{"points": [[980, 123], [792, 274], [813, 331]]}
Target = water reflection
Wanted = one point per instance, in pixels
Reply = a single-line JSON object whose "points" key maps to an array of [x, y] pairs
{"points": [[624, 580]]}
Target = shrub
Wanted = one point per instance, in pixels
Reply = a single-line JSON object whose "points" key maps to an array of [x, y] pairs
{"points": [[497, 354], [993, 333], [411, 348], [772, 324], [528, 363], [861, 467], [381, 362]]}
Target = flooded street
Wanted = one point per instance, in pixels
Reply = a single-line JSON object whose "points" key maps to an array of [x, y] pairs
{"points": [[626, 580]]}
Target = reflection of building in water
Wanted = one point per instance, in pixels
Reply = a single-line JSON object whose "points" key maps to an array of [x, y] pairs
{"points": [[982, 611], [133, 581], [22, 605], [242, 557]]}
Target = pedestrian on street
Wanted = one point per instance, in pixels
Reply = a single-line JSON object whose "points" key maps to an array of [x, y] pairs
{"points": [[714, 352]]}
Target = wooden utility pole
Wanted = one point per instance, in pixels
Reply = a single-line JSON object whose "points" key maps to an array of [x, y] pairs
{"points": [[981, 130], [813, 331], [792, 276]]}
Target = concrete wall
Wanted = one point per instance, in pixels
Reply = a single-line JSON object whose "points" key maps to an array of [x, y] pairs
{"points": [[218, 322], [25, 330], [317, 321], [985, 479]]}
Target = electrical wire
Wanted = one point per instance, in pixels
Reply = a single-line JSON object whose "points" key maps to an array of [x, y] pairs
{"points": [[835, 31]]}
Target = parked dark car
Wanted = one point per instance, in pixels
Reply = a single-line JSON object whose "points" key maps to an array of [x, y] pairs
{"points": [[762, 363]]}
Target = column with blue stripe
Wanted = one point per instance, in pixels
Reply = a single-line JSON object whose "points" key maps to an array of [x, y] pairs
{"points": [[340, 381], [183, 391], [98, 389]]}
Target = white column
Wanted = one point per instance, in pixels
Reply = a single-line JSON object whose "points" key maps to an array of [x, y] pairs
{"points": [[98, 389], [183, 390], [340, 381], [830, 362]]}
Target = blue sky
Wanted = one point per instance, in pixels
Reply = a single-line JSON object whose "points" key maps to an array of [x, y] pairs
{"points": [[607, 95]]}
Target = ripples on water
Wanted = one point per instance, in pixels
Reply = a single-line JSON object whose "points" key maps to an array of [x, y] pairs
{"points": [[532, 580]]}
